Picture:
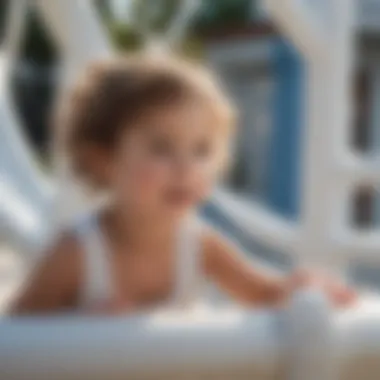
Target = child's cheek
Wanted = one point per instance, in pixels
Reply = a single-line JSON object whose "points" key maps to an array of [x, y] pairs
{"points": [[150, 177], [206, 187]]}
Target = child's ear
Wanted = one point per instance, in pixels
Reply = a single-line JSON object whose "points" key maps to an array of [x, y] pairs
{"points": [[95, 165]]}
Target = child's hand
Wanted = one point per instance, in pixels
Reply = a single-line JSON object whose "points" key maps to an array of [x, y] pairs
{"points": [[109, 307], [339, 294]]}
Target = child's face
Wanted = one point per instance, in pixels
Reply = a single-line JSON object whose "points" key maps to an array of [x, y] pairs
{"points": [[169, 163]]}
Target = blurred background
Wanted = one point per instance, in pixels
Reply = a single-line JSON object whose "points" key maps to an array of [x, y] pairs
{"points": [[264, 74], [261, 69]]}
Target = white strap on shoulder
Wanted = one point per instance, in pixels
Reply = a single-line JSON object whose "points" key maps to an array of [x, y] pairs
{"points": [[189, 272], [97, 281]]}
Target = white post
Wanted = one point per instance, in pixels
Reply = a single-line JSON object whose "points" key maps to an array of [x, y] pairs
{"points": [[301, 26], [328, 119], [310, 338]]}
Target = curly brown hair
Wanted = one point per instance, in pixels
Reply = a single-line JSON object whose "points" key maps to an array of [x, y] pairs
{"points": [[112, 94]]}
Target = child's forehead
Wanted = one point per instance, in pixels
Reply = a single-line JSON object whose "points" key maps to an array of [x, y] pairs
{"points": [[178, 118]]}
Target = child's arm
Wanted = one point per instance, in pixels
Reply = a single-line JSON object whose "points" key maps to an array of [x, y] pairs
{"points": [[248, 285], [53, 285]]}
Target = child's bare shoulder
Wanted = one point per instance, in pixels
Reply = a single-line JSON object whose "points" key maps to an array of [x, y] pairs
{"points": [[65, 249], [61, 261], [54, 281]]}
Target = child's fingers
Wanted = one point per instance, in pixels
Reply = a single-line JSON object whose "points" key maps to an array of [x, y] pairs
{"points": [[100, 309], [109, 307], [338, 293], [303, 278]]}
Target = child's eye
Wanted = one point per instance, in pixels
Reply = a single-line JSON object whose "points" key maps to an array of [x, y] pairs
{"points": [[203, 149], [160, 147]]}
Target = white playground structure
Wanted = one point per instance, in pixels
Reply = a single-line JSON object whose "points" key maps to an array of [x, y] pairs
{"points": [[308, 341]]}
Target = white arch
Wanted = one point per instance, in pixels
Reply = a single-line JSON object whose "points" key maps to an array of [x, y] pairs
{"points": [[25, 191]]}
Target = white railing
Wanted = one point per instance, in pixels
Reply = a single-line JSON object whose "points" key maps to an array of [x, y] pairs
{"points": [[306, 341]]}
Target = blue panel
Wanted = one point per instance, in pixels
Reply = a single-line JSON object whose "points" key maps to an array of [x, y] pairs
{"points": [[288, 71]]}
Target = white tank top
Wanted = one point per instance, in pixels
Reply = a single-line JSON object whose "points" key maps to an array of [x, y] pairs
{"points": [[97, 283]]}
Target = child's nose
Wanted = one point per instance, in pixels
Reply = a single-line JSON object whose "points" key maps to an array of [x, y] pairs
{"points": [[184, 168]]}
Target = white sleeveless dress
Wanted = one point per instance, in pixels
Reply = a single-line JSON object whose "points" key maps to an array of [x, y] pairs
{"points": [[97, 282]]}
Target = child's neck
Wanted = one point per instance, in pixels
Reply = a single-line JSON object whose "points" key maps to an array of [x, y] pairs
{"points": [[135, 227]]}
